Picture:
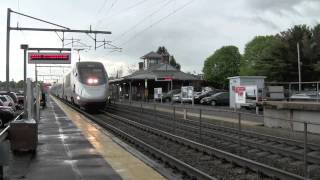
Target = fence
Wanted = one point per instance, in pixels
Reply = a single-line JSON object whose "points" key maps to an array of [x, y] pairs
{"points": [[243, 123], [4, 147], [294, 91], [32, 111]]}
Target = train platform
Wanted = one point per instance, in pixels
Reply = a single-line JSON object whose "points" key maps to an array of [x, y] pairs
{"points": [[70, 147]]}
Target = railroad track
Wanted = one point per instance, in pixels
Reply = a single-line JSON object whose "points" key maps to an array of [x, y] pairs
{"points": [[191, 159], [281, 153]]}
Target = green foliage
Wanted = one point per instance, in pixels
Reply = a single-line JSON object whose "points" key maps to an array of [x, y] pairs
{"points": [[162, 50], [276, 56], [15, 86], [174, 63], [225, 62], [257, 51]]}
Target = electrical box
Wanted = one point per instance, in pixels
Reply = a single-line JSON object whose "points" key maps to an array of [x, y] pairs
{"points": [[5, 153]]}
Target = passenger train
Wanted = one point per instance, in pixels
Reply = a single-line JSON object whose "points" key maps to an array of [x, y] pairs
{"points": [[86, 85]]}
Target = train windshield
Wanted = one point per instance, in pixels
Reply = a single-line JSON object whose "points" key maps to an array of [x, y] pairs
{"points": [[92, 74]]}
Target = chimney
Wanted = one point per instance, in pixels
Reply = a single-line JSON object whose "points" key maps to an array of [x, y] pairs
{"points": [[140, 65]]}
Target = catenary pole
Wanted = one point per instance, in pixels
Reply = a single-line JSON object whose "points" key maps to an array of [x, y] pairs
{"points": [[8, 49]]}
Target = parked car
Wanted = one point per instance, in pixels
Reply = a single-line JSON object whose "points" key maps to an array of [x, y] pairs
{"points": [[176, 97], [20, 98], [305, 97], [167, 97], [221, 98], [197, 98], [12, 95], [6, 100], [6, 115]]}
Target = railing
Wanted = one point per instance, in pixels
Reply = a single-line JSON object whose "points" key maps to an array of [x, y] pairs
{"points": [[4, 147], [310, 89], [243, 122], [31, 112]]}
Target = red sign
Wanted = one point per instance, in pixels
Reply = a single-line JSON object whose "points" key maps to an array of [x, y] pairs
{"points": [[240, 90], [49, 58], [165, 78]]}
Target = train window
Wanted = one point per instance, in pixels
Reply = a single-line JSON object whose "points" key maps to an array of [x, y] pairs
{"points": [[86, 73]]}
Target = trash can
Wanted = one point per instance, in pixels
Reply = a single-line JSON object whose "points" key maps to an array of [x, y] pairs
{"points": [[23, 135]]}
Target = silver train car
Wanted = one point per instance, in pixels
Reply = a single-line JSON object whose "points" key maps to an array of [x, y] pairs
{"points": [[86, 85]]}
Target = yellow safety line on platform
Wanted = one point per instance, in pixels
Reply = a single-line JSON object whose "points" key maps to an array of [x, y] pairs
{"points": [[124, 163]]}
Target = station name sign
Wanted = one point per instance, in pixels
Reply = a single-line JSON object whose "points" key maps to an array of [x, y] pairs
{"points": [[49, 58], [165, 78]]}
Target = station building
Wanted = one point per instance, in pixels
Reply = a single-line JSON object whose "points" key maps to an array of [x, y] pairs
{"points": [[154, 72]]}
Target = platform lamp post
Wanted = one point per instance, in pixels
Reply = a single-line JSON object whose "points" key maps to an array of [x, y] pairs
{"points": [[25, 49]]}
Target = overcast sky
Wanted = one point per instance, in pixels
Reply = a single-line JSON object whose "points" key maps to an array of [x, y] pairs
{"points": [[190, 30]]}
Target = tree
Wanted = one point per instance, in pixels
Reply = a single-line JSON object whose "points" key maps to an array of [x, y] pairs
{"points": [[276, 56], [256, 51], [20, 84], [298, 34], [131, 68], [174, 63], [315, 46], [225, 62], [162, 50]]}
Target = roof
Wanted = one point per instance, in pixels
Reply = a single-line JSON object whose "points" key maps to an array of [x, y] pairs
{"points": [[160, 70], [152, 55], [247, 77]]}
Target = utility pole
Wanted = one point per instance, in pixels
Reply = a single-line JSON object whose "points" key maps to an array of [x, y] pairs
{"points": [[299, 66], [8, 49]]}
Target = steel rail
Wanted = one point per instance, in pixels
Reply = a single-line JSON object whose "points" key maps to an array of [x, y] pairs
{"points": [[243, 162], [249, 133], [164, 156], [250, 143]]}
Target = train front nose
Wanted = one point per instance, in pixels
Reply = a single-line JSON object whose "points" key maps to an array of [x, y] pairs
{"points": [[94, 93]]}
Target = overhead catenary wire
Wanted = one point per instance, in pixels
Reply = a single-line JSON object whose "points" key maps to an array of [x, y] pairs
{"points": [[108, 11], [102, 7], [143, 20], [134, 5], [150, 26], [127, 9], [157, 22]]}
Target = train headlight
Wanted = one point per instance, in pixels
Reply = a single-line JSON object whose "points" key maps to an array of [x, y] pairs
{"points": [[78, 97], [92, 81]]}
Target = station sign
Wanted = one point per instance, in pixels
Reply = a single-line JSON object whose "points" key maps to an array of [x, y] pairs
{"points": [[187, 92], [240, 94], [165, 78], [157, 93], [49, 58]]}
